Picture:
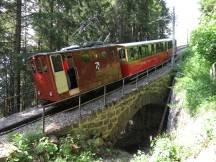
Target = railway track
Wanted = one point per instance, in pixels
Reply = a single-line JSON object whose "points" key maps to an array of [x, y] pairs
{"points": [[73, 103]]}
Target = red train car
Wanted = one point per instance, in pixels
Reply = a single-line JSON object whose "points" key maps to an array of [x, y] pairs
{"points": [[60, 75], [139, 56], [63, 74]]}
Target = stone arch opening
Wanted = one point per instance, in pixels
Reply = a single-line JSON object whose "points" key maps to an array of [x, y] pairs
{"points": [[142, 127]]}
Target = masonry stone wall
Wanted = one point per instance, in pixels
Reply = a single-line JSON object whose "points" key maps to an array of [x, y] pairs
{"points": [[112, 119]]}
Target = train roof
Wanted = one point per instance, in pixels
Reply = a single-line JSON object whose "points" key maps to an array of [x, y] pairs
{"points": [[72, 50], [102, 46], [132, 44]]}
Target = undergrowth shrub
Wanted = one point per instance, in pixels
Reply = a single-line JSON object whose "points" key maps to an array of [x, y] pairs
{"points": [[195, 80], [163, 149], [35, 147]]}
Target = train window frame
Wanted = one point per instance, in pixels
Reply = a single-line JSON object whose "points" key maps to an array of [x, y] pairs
{"points": [[170, 45], [152, 49], [131, 54], [139, 52], [85, 57], [104, 55], [166, 45], [145, 50], [161, 47], [157, 47], [70, 61], [122, 53], [38, 66], [44, 65], [57, 68]]}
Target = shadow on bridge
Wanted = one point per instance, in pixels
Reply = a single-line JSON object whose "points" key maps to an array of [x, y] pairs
{"points": [[142, 128]]}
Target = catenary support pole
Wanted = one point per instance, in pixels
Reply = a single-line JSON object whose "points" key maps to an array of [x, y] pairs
{"points": [[173, 38]]}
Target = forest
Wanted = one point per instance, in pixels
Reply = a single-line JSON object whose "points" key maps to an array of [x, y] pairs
{"points": [[31, 26]]}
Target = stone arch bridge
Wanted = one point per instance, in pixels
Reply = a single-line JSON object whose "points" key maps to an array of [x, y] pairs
{"points": [[110, 121]]}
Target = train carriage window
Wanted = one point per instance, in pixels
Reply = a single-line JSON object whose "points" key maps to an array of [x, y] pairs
{"points": [[166, 45], [153, 49], [139, 52], [85, 57], [133, 53], [163, 46], [70, 61], [157, 48], [44, 66], [170, 44], [38, 66], [57, 63], [145, 51], [122, 54], [136, 50], [104, 55]]}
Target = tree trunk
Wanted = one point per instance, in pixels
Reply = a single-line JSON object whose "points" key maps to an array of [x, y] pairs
{"points": [[17, 50], [51, 26]]}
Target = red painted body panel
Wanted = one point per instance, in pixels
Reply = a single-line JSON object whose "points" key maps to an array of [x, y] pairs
{"points": [[134, 67]]}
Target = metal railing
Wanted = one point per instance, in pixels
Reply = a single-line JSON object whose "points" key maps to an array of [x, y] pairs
{"points": [[135, 79]]}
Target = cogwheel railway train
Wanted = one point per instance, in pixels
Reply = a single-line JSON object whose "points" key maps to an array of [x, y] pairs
{"points": [[64, 74]]}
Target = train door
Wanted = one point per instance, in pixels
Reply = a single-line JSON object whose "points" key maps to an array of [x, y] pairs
{"points": [[59, 73], [72, 73]]}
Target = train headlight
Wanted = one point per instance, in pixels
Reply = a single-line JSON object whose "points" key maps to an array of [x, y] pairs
{"points": [[38, 93], [50, 93]]}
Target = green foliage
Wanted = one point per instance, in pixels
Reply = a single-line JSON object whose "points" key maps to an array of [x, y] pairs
{"points": [[66, 22], [203, 41], [196, 80], [36, 147], [140, 157], [208, 7], [166, 150], [23, 149]]}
